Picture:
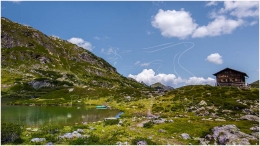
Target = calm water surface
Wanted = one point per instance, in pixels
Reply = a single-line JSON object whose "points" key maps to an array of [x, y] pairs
{"points": [[41, 115]]}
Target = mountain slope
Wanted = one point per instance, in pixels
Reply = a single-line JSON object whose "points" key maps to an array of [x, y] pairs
{"points": [[34, 64], [255, 84]]}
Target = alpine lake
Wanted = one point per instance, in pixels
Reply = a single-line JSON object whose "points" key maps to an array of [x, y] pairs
{"points": [[35, 116]]}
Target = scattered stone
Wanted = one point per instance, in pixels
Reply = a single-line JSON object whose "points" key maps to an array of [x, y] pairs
{"points": [[185, 136], [250, 118], [92, 128], [209, 137], [256, 129], [159, 121], [68, 135], [161, 130], [80, 130], [119, 143], [226, 111], [142, 142], [49, 143], [38, 139], [71, 89], [76, 134], [202, 103], [220, 120], [255, 134], [170, 120]]}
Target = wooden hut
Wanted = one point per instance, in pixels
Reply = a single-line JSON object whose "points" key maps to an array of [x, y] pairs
{"points": [[230, 77]]}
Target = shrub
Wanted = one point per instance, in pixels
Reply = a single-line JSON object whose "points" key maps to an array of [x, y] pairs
{"points": [[51, 129], [10, 133], [148, 124], [111, 122]]}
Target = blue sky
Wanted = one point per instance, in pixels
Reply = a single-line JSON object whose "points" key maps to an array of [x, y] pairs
{"points": [[175, 43]]}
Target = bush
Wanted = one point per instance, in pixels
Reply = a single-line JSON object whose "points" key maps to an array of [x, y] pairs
{"points": [[111, 122], [148, 124], [51, 129], [10, 133]]}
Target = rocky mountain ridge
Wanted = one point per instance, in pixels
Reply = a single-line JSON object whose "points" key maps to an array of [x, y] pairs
{"points": [[34, 61]]}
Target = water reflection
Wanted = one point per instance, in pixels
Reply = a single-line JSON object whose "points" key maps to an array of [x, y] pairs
{"points": [[40, 115]]}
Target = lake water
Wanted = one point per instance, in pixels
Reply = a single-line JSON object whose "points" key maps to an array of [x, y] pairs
{"points": [[40, 115]]}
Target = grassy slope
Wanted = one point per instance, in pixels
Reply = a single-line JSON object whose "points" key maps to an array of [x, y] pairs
{"points": [[189, 122]]}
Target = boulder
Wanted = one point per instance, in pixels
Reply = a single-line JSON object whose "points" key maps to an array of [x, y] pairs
{"points": [[161, 130], [141, 142], [202, 103], [256, 129], [185, 136], [250, 118], [159, 121], [38, 139], [80, 130], [231, 135], [68, 135]]}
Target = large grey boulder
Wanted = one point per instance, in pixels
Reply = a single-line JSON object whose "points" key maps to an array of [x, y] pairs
{"points": [[231, 135]]}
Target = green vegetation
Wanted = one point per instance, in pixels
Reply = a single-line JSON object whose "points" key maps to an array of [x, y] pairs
{"points": [[255, 84], [11, 133]]}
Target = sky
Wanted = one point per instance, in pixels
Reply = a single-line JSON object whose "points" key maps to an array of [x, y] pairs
{"points": [[175, 43]]}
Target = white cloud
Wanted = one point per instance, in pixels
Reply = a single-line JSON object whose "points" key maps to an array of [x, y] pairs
{"points": [[221, 25], [149, 77], [102, 50], [97, 38], [110, 51], [137, 62], [82, 43], [200, 81], [174, 23], [241, 9], [253, 23], [215, 58], [212, 3], [145, 64], [148, 32]]}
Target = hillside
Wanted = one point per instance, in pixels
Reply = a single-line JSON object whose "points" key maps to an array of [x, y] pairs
{"points": [[255, 84], [36, 65]]}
